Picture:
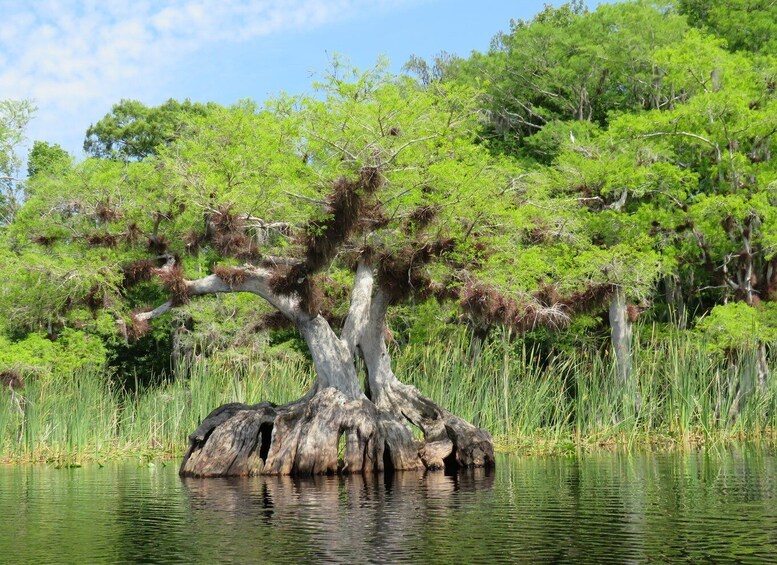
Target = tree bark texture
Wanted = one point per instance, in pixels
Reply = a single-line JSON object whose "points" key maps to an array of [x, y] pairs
{"points": [[336, 427], [620, 326]]}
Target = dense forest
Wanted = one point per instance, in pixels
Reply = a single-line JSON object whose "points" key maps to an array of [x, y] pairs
{"points": [[575, 232]]}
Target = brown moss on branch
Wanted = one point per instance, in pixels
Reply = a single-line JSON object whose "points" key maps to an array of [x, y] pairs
{"points": [[539, 235], [348, 212], [370, 179], [96, 298], [421, 217], [403, 273], [235, 244], [175, 283], [132, 233], [138, 271], [284, 279], [224, 221], [137, 328], [158, 244], [372, 217], [193, 241], [105, 212], [227, 233], [322, 238], [311, 296], [632, 312], [487, 304], [101, 239], [232, 276], [288, 280], [45, 240], [591, 298]]}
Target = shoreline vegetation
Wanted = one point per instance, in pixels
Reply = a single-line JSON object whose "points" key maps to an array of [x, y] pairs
{"points": [[532, 404]]}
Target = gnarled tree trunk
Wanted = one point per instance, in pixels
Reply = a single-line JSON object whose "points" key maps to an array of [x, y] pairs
{"points": [[304, 437]]}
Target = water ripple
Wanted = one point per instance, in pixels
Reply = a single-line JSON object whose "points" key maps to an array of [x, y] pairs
{"points": [[610, 508]]}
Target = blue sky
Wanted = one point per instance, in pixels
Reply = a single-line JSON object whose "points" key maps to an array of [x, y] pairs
{"points": [[76, 58]]}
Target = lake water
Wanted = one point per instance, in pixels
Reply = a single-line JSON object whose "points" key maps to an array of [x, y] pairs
{"points": [[713, 506]]}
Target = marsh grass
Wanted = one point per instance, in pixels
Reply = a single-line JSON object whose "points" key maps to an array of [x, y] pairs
{"points": [[680, 396]]}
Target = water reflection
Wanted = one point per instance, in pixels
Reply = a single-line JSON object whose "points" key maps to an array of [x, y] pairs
{"points": [[338, 519], [713, 506]]}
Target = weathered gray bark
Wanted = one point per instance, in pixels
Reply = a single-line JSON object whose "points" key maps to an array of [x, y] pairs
{"points": [[748, 374], [762, 369], [448, 439], [303, 438], [620, 327], [621, 331]]}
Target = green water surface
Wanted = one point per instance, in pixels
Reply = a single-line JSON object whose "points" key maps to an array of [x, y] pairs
{"points": [[716, 506]]}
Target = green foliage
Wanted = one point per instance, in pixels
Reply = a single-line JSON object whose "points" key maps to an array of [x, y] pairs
{"points": [[73, 352], [48, 159], [571, 64], [737, 326], [133, 130], [745, 24], [83, 225]]}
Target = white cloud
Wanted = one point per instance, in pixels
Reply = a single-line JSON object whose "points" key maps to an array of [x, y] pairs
{"points": [[75, 58]]}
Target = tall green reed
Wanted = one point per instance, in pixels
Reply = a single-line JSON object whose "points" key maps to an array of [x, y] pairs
{"points": [[680, 393]]}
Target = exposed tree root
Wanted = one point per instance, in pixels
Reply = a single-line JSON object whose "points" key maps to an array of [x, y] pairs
{"points": [[303, 438], [450, 441]]}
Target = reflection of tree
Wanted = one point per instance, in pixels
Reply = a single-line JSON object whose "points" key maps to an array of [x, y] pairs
{"points": [[714, 506], [353, 519]]}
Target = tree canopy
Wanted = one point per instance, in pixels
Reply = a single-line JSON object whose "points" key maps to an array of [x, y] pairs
{"points": [[133, 130]]}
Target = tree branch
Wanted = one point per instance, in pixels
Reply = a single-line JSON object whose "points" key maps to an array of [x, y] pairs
{"points": [[156, 312], [687, 134], [358, 314], [403, 147], [255, 282]]}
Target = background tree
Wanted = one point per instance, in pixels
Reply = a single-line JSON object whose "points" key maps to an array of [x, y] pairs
{"points": [[133, 130], [47, 158], [745, 24], [553, 85], [564, 88], [14, 115], [571, 64]]}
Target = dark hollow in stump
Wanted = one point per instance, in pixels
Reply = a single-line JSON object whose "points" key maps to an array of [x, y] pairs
{"points": [[304, 437]]}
